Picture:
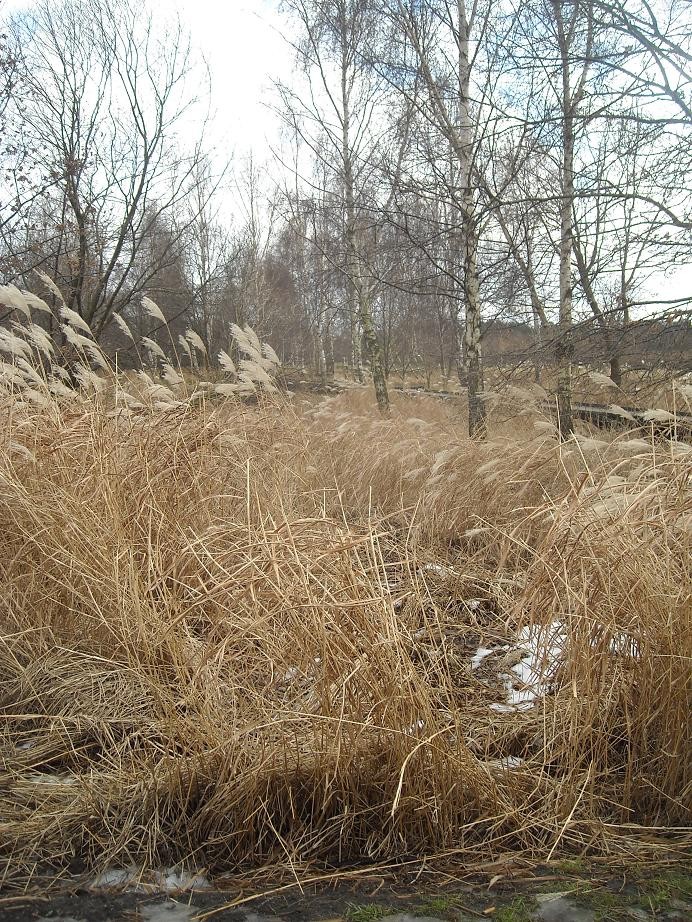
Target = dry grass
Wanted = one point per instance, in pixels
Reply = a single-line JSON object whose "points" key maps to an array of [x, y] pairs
{"points": [[237, 635]]}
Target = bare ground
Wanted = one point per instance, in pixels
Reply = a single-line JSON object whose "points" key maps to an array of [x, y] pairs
{"points": [[572, 892]]}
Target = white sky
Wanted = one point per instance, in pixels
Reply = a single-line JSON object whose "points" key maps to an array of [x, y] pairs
{"points": [[242, 43]]}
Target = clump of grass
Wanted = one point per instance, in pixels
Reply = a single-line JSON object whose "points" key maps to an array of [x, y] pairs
{"points": [[577, 867], [236, 635], [519, 910], [370, 912], [439, 905], [658, 888], [605, 904]]}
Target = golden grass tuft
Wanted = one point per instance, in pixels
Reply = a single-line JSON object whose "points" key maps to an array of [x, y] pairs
{"points": [[237, 635]]}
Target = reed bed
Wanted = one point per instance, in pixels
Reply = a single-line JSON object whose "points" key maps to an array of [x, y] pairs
{"points": [[238, 635]]}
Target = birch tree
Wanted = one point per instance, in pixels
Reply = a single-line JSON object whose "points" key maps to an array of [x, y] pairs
{"points": [[573, 25], [608, 110], [340, 101], [436, 43]]}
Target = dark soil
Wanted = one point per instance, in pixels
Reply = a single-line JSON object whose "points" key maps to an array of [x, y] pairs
{"points": [[571, 892]]}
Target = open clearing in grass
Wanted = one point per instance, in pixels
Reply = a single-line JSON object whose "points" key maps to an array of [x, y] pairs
{"points": [[238, 636]]}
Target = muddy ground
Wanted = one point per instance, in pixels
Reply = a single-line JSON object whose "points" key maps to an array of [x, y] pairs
{"points": [[570, 892]]}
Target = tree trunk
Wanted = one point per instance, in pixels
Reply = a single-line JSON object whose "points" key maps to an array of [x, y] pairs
{"points": [[372, 346], [564, 349], [564, 352], [356, 352], [459, 352], [472, 339], [472, 330], [320, 357], [360, 307], [441, 343], [538, 347], [328, 345]]}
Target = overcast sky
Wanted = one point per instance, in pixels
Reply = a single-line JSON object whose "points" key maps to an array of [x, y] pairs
{"points": [[243, 45]]}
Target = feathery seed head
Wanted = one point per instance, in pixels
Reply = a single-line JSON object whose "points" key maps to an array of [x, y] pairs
{"points": [[195, 340], [122, 325], [226, 362], [75, 320], [152, 309], [153, 347], [13, 298]]}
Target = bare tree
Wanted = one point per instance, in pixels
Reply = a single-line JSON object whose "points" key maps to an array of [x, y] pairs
{"points": [[573, 25], [534, 182], [102, 106], [341, 100], [606, 112], [435, 45], [8, 67]]}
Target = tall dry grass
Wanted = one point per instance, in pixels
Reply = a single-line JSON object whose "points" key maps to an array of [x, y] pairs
{"points": [[238, 634]]}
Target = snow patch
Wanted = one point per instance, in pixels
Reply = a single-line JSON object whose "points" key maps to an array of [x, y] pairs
{"points": [[438, 568], [480, 655], [45, 778], [113, 878], [164, 880], [169, 911], [529, 679]]}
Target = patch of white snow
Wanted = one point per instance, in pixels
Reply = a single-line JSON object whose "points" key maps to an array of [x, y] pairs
{"points": [[480, 655], [164, 880], [530, 678]]}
